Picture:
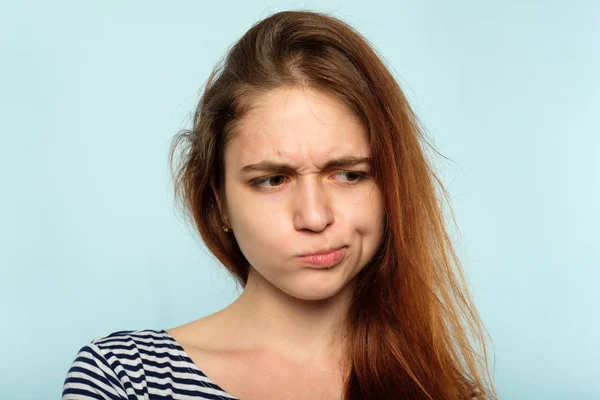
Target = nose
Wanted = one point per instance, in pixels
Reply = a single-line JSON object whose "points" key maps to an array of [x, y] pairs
{"points": [[311, 205]]}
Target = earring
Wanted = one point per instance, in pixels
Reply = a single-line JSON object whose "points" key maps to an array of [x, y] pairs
{"points": [[226, 228]]}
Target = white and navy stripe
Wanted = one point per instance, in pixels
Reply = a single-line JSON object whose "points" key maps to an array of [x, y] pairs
{"points": [[137, 365]]}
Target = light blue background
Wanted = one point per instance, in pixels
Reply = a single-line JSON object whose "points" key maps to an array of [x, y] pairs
{"points": [[92, 93]]}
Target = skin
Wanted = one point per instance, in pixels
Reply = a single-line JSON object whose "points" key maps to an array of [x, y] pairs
{"points": [[290, 312]]}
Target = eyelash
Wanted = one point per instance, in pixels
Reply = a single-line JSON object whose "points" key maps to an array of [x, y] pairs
{"points": [[361, 176]]}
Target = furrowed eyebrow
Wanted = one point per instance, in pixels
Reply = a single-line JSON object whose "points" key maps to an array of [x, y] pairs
{"points": [[275, 167]]}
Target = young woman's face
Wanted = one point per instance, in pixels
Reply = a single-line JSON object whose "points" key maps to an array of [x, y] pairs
{"points": [[297, 182]]}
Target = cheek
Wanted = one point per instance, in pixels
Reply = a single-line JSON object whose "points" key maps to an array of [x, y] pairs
{"points": [[366, 215], [258, 228]]}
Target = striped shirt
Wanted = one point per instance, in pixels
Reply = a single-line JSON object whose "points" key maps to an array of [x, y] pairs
{"points": [[137, 365]]}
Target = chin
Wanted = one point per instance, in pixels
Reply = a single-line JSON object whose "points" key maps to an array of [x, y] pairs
{"points": [[315, 290]]}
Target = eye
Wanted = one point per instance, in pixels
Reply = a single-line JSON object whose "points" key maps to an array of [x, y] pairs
{"points": [[353, 176], [272, 181]]}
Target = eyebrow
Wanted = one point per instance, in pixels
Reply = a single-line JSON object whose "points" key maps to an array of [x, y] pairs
{"points": [[275, 167]]}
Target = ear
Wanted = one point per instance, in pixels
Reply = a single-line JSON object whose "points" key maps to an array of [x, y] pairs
{"points": [[217, 197]]}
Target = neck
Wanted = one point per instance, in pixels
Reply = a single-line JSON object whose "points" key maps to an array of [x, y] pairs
{"points": [[267, 320]]}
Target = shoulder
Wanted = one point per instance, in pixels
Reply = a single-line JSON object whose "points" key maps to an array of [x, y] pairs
{"points": [[121, 364], [136, 364], [142, 339], [130, 348]]}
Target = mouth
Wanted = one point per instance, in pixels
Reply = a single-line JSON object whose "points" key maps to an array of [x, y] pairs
{"points": [[324, 258]]}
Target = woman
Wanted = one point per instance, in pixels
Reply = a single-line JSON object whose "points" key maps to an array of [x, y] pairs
{"points": [[305, 175]]}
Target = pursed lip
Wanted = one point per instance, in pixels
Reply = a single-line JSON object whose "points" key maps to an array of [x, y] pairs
{"points": [[321, 252], [324, 260]]}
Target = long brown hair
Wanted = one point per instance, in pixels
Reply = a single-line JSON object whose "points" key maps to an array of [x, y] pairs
{"points": [[412, 329]]}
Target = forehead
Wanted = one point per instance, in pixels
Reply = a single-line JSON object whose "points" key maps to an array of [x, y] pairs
{"points": [[298, 125]]}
